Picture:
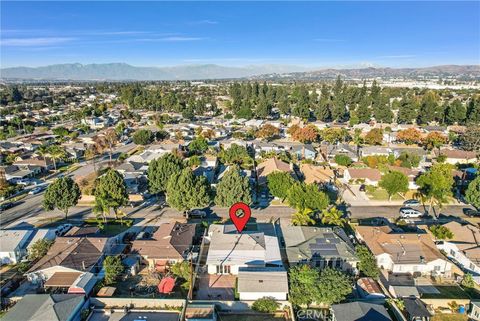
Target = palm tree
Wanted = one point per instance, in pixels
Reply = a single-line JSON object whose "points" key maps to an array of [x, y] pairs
{"points": [[42, 150], [303, 217], [56, 152], [333, 216]]}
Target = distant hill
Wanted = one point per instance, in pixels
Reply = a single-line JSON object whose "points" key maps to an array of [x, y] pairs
{"points": [[122, 71], [459, 71]]}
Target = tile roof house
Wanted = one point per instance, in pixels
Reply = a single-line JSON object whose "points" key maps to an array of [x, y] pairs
{"points": [[304, 151], [359, 311], [272, 165], [317, 174], [170, 244], [72, 254], [457, 156], [411, 174], [464, 247], [404, 253], [370, 176], [256, 283], [51, 307], [318, 246], [13, 245], [228, 250]]}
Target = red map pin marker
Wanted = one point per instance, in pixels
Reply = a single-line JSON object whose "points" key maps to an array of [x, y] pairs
{"points": [[240, 214]]}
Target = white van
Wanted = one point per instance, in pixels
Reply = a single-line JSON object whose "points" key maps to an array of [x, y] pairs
{"points": [[408, 212]]}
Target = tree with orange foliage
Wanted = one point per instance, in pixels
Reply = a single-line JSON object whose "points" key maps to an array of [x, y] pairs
{"points": [[306, 134], [267, 132], [434, 140], [410, 136]]}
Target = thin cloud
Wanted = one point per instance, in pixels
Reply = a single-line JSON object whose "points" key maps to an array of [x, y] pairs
{"points": [[171, 39], [204, 22], [34, 42]]}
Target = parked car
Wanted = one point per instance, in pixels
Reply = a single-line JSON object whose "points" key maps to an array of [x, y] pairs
{"points": [[472, 213], [36, 190], [408, 212], [363, 188], [411, 202], [196, 214], [62, 229], [6, 206]]}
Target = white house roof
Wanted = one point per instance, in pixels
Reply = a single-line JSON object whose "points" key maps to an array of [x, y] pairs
{"points": [[263, 280], [11, 239]]}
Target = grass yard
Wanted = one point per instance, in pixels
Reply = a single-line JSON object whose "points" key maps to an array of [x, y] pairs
{"points": [[451, 292], [449, 317]]}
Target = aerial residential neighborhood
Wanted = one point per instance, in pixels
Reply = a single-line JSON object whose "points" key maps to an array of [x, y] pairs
{"points": [[182, 186]]}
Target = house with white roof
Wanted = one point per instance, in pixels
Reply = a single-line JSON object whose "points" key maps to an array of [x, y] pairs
{"points": [[229, 250], [13, 245]]}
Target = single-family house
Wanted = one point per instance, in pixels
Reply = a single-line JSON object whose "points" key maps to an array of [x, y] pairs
{"points": [[13, 245], [229, 250], [415, 310], [171, 243], [369, 289], [368, 176], [320, 247], [332, 150], [359, 311], [47, 307], [256, 283], [272, 165], [457, 156], [304, 151], [313, 174], [404, 253], [411, 174], [200, 312], [474, 310], [375, 151], [463, 247]]}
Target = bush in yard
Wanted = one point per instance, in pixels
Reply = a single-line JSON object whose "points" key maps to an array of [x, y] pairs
{"points": [[265, 305], [113, 268], [343, 160], [368, 263], [468, 281]]}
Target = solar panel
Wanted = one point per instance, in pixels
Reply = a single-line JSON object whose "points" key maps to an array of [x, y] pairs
{"points": [[329, 252]]}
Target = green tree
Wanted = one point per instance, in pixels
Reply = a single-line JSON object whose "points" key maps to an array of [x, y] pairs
{"points": [[440, 232], [185, 191], [265, 305], [236, 154], [363, 111], [368, 263], [303, 285], [333, 216], [303, 196], [333, 286], [279, 183], [233, 188], [473, 110], [428, 108], [56, 153], [303, 217], [161, 169], [143, 137], [343, 160], [407, 111], [199, 145], [183, 271], [455, 112], [62, 194], [436, 184], [374, 136], [394, 182], [113, 269], [110, 193], [472, 195], [468, 281], [39, 249]]}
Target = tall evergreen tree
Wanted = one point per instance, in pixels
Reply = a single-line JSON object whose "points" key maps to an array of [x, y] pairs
{"points": [[233, 188], [363, 111], [428, 108], [455, 112]]}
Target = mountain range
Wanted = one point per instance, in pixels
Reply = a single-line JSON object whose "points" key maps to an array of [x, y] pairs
{"points": [[122, 71]]}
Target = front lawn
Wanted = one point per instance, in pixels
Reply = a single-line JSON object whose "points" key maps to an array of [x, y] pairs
{"points": [[379, 194], [112, 227]]}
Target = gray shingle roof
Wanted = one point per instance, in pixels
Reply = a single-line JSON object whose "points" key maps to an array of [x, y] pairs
{"points": [[43, 307], [360, 311]]}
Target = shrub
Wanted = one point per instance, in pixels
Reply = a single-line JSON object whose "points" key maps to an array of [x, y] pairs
{"points": [[265, 305], [343, 160]]}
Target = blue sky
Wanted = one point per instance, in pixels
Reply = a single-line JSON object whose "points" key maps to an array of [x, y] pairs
{"points": [[323, 34]]}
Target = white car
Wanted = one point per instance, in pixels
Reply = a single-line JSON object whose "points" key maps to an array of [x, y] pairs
{"points": [[36, 190], [407, 212], [62, 229]]}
